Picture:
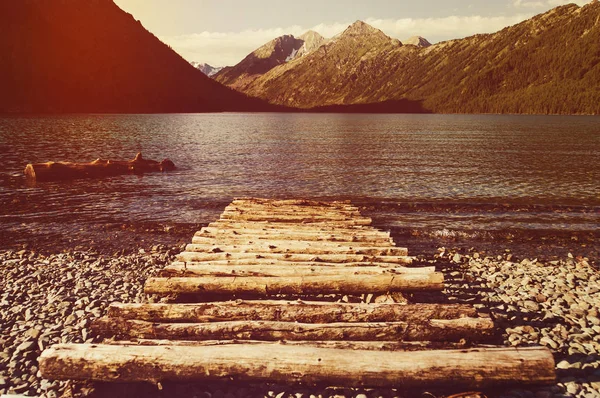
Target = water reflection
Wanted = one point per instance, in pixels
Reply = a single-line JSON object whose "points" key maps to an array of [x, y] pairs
{"points": [[370, 159]]}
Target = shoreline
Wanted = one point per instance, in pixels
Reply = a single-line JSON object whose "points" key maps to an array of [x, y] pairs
{"points": [[47, 299]]}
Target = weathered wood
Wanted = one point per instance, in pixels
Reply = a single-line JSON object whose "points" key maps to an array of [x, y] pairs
{"points": [[316, 227], [273, 240], [296, 247], [289, 311], [307, 236], [476, 368], [283, 263], [328, 220], [310, 258], [341, 345], [470, 329], [292, 210], [292, 202], [292, 217], [98, 168], [326, 284], [284, 270], [273, 206]]}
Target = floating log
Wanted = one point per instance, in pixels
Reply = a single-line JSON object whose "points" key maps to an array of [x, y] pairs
{"points": [[289, 311], [51, 171], [325, 284], [469, 329], [475, 368], [292, 202], [310, 258], [283, 270], [297, 248]]}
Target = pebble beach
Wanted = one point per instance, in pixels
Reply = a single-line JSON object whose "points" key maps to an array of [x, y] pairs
{"points": [[48, 299]]}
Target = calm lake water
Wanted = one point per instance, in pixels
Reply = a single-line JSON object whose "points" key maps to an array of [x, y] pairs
{"points": [[427, 175]]}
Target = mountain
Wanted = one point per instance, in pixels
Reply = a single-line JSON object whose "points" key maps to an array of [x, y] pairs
{"points": [[276, 52], [547, 64], [90, 56], [311, 41], [328, 75], [418, 41], [207, 69]]}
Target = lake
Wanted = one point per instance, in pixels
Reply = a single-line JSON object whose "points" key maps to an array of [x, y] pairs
{"points": [[426, 176]]}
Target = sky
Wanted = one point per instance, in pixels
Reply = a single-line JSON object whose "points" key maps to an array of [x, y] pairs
{"points": [[223, 32]]}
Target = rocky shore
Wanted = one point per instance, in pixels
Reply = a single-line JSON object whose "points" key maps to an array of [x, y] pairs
{"points": [[48, 299]]}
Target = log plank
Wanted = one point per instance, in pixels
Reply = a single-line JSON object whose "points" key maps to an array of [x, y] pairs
{"points": [[470, 329], [295, 247], [289, 311], [326, 284], [475, 368], [295, 257], [283, 270]]}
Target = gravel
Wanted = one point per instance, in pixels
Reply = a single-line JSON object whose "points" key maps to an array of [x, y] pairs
{"points": [[554, 304], [52, 299]]}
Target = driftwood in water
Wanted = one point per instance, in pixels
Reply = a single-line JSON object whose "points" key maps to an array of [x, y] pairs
{"points": [[476, 368], [52, 171]]}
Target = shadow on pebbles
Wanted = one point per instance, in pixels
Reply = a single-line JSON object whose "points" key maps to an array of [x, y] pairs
{"points": [[52, 299]]}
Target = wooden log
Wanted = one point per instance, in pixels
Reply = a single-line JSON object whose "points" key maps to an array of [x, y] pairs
{"points": [[292, 210], [292, 215], [292, 202], [341, 345], [295, 247], [342, 221], [469, 329], [274, 240], [184, 269], [317, 227], [475, 368], [51, 171], [312, 229], [311, 258], [327, 284], [290, 264], [289, 311], [305, 236]]}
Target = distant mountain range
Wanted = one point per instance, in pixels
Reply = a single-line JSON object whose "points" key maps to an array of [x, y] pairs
{"points": [[90, 56], [207, 69], [549, 64], [278, 51]]}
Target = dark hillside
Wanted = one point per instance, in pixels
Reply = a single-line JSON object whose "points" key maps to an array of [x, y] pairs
{"points": [[90, 56]]}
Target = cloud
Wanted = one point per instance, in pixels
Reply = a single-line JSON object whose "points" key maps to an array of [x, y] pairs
{"points": [[228, 48], [537, 4]]}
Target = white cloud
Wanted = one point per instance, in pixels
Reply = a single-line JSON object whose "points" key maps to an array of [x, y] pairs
{"points": [[228, 48], [537, 4]]}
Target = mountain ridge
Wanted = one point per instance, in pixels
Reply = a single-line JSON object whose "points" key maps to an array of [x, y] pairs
{"points": [[546, 64], [91, 56]]}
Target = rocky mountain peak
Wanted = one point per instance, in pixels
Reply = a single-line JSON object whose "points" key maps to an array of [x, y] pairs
{"points": [[418, 41], [311, 41], [360, 28]]}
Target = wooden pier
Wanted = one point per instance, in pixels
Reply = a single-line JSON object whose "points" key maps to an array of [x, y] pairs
{"points": [[271, 292]]}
